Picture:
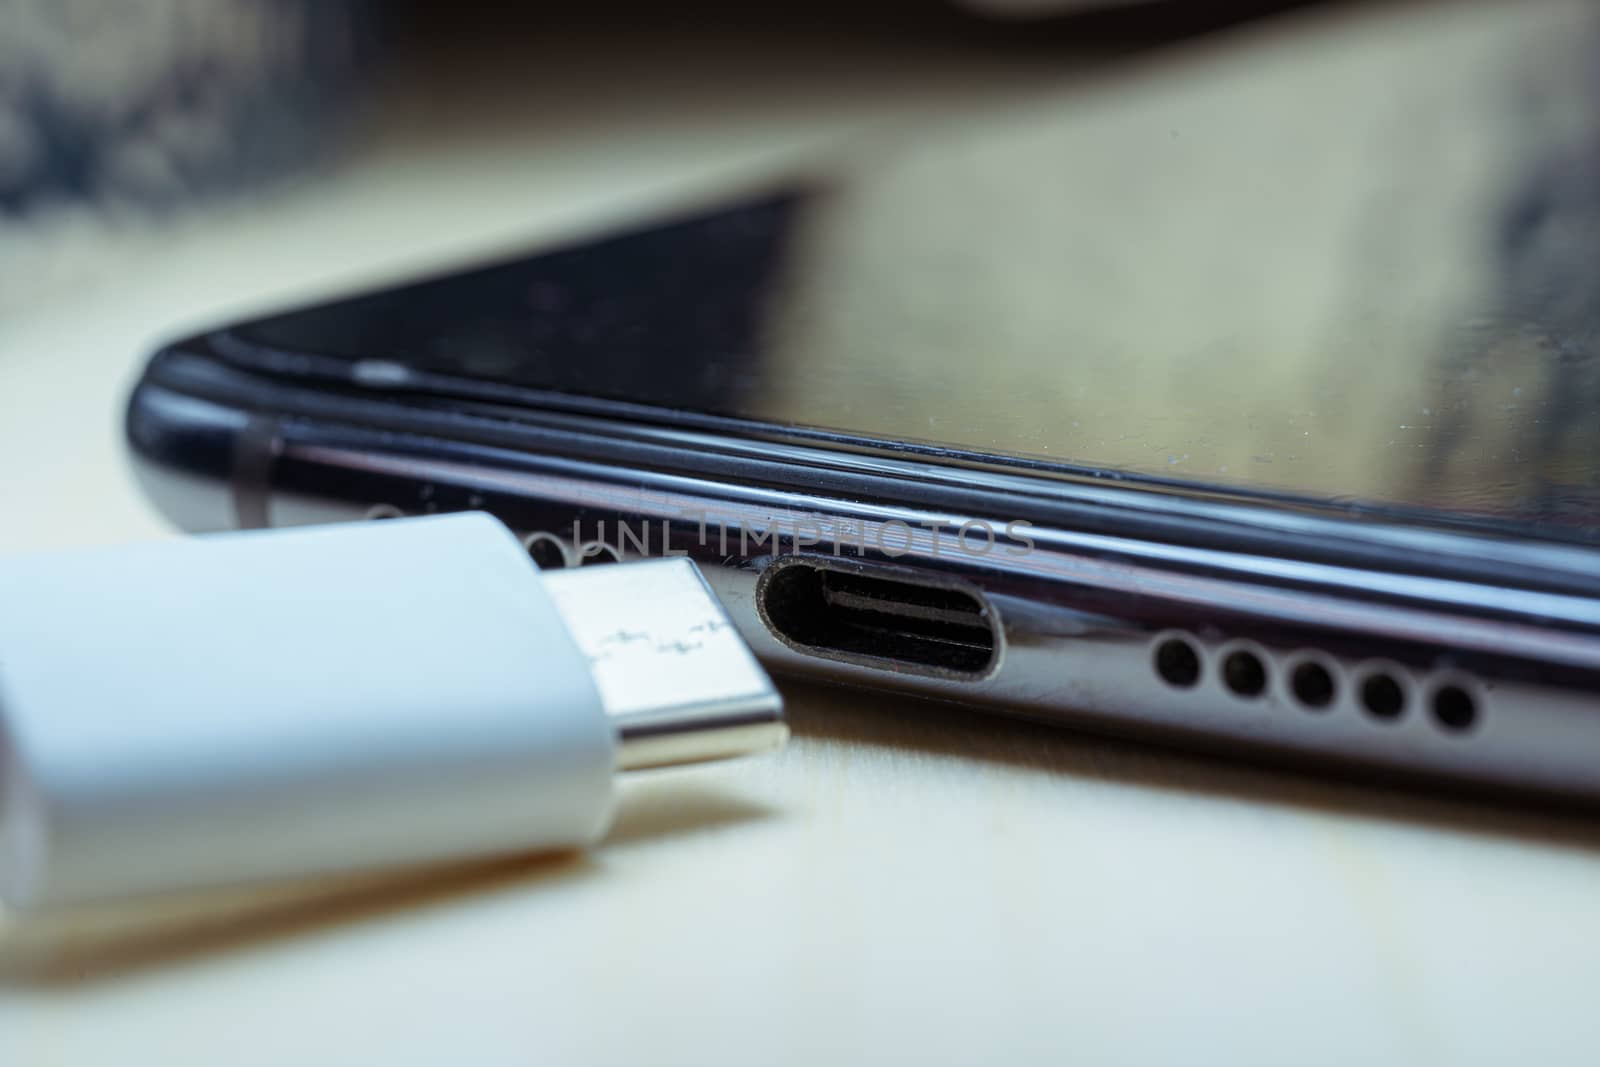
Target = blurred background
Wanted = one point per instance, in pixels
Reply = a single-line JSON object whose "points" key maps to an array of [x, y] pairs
{"points": [[114, 116]]}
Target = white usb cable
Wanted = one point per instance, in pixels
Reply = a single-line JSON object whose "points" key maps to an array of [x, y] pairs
{"points": [[257, 706]]}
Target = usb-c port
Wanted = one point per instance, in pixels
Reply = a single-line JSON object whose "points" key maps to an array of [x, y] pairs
{"points": [[878, 617]]}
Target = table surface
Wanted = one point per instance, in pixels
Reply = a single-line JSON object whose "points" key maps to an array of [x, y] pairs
{"points": [[904, 881]]}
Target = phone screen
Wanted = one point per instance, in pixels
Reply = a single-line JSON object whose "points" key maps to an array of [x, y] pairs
{"points": [[1334, 264]]}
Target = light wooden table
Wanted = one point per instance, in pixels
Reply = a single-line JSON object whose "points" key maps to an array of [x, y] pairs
{"points": [[904, 883]]}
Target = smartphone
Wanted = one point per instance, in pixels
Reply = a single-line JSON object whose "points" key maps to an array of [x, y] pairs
{"points": [[1249, 399]]}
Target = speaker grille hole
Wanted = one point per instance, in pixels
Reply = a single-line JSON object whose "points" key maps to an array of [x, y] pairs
{"points": [[1244, 673], [1317, 681], [1178, 663], [1454, 708], [1313, 685], [1383, 696]]}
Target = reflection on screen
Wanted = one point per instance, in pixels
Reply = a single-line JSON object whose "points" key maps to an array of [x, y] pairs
{"points": [[1356, 262]]}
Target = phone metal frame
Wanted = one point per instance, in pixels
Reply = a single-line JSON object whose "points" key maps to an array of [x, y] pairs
{"points": [[1118, 565]]}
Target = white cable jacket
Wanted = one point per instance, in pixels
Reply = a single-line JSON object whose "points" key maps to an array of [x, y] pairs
{"points": [[246, 707]]}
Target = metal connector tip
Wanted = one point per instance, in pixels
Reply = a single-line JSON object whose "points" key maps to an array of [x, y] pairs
{"points": [[669, 739], [673, 672]]}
